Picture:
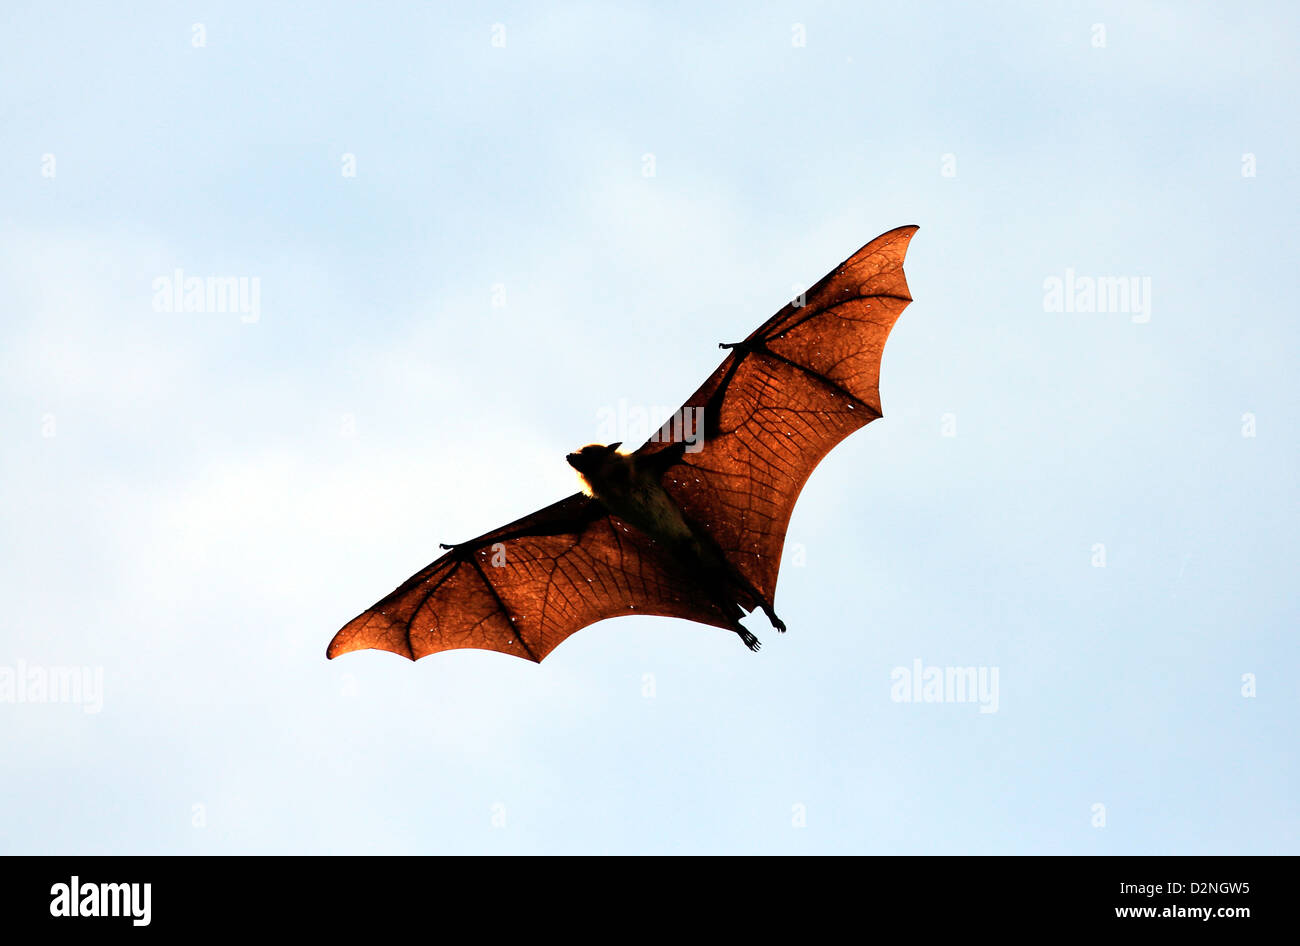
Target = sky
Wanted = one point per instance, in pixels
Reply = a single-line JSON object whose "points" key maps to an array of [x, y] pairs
{"points": [[463, 233]]}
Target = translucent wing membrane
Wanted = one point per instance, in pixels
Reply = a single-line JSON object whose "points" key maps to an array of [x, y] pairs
{"points": [[782, 399], [523, 588]]}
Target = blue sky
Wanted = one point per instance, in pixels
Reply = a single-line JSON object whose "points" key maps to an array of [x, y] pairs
{"points": [[196, 501]]}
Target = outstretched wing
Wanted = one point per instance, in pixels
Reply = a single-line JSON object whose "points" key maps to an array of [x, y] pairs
{"points": [[524, 588], [778, 403]]}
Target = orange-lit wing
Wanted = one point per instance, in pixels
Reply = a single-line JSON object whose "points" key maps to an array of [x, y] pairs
{"points": [[523, 588], [782, 399]]}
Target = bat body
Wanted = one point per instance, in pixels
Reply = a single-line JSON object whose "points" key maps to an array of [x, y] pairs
{"points": [[629, 487], [660, 530]]}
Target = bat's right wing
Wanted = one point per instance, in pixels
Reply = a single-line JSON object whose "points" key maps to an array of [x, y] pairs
{"points": [[524, 588], [781, 400]]}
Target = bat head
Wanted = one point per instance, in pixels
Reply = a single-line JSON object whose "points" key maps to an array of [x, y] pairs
{"points": [[591, 457]]}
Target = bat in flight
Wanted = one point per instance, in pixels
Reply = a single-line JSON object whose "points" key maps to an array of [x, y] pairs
{"points": [[687, 531]]}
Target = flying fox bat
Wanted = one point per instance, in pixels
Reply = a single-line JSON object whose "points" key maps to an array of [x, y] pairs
{"points": [[663, 530]]}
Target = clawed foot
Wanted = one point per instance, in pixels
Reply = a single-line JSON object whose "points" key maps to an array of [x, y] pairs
{"points": [[776, 621], [750, 640]]}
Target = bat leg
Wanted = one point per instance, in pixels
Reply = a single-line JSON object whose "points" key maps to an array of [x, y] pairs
{"points": [[734, 612], [744, 584]]}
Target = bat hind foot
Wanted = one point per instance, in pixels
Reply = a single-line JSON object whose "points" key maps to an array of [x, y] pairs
{"points": [[750, 640], [776, 621]]}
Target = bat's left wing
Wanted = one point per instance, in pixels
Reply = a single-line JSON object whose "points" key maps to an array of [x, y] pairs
{"points": [[524, 588], [781, 400]]}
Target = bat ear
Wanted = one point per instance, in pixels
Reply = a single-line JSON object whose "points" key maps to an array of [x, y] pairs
{"points": [[614, 446]]}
